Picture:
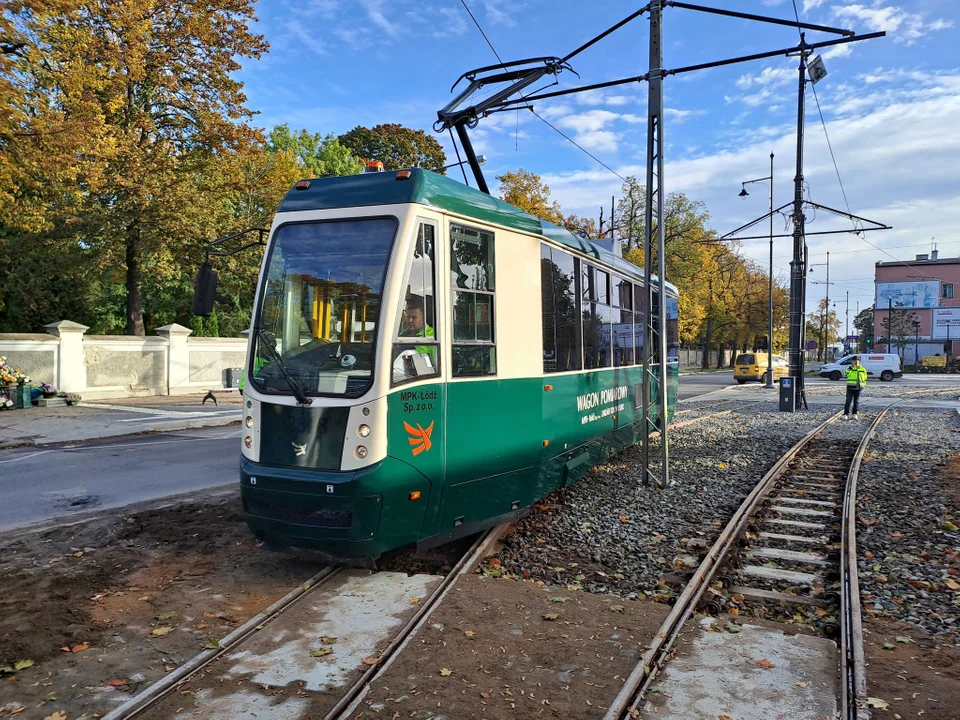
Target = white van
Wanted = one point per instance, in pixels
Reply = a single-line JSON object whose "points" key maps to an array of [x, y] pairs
{"points": [[885, 366]]}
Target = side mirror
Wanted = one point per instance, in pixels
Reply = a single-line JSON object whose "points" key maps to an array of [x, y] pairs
{"points": [[205, 290]]}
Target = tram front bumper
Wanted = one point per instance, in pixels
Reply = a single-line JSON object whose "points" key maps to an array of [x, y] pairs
{"points": [[337, 512]]}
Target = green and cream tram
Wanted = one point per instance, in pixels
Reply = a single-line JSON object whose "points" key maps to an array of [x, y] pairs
{"points": [[426, 360]]}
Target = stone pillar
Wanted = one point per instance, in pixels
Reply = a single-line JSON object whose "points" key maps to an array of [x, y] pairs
{"points": [[71, 365], [178, 357]]}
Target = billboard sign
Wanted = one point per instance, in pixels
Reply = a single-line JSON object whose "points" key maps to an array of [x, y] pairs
{"points": [[946, 323], [923, 294]]}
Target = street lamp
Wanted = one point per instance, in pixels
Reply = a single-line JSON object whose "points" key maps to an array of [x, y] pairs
{"points": [[743, 194], [916, 344]]}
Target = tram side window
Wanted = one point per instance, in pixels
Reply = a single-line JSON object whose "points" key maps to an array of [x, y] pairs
{"points": [[558, 274], [673, 329], [639, 311], [473, 279], [597, 317], [623, 337], [415, 349]]}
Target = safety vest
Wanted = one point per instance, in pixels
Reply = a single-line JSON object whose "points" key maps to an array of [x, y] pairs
{"points": [[856, 376], [426, 331]]}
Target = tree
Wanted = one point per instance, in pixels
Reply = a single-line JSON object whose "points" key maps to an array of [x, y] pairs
{"points": [[898, 327], [578, 225], [396, 146], [320, 156], [525, 190], [825, 327], [148, 88], [863, 322], [683, 217]]}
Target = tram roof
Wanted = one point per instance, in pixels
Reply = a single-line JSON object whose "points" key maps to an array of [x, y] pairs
{"points": [[425, 187]]}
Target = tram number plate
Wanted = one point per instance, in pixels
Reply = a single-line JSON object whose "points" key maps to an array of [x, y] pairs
{"points": [[330, 489], [253, 481]]}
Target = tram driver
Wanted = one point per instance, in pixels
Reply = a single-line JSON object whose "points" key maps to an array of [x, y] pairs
{"points": [[420, 359]]}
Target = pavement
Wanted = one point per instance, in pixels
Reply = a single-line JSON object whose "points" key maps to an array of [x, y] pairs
{"points": [[96, 420]]}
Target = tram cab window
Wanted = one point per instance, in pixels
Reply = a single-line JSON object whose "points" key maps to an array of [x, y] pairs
{"points": [[415, 349], [673, 329], [317, 320], [473, 280], [639, 327]]}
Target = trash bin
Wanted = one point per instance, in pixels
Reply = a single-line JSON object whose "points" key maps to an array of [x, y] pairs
{"points": [[788, 394]]}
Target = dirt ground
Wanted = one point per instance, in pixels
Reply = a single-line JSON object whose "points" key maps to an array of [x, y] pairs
{"points": [[503, 648], [917, 678], [98, 610]]}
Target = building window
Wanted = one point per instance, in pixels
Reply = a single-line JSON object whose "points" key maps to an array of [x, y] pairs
{"points": [[597, 317], [948, 290], [474, 283], [415, 343], [558, 293]]}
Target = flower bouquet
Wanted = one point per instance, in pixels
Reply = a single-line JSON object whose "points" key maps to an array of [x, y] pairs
{"points": [[49, 390], [15, 381]]}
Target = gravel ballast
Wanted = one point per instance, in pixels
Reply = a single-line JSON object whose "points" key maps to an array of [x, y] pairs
{"points": [[909, 513], [608, 533]]}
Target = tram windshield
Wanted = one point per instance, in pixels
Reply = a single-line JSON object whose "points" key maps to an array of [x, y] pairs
{"points": [[320, 306]]}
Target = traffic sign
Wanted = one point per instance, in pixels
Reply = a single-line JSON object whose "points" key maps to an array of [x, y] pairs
{"points": [[812, 345]]}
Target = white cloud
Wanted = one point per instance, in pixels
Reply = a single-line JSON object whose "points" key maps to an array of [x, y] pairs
{"points": [[620, 100], [904, 26], [590, 121], [452, 22], [602, 140], [751, 99], [769, 76], [499, 12], [374, 10], [838, 51], [680, 115], [812, 5], [309, 41]]}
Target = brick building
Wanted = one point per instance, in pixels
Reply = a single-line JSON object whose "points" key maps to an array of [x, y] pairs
{"points": [[929, 287]]}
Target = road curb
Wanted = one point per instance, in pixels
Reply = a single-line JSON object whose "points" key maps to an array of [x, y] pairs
{"points": [[161, 426]]}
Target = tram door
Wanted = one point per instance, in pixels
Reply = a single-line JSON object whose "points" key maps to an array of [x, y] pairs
{"points": [[489, 420]]}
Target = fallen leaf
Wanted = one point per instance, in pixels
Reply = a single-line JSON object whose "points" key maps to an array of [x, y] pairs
{"points": [[952, 584], [415, 601], [731, 628], [733, 611], [17, 666], [56, 716], [161, 631], [446, 672], [166, 616], [145, 598], [116, 683], [17, 710], [889, 646], [949, 526], [78, 554], [469, 633], [79, 647], [801, 684], [904, 639], [617, 608], [725, 717], [327, 640], [370, 660], [877, 703], [722, 466], [211, 645], [485, 695], [320, 652], [765, 664], [559, 599], [551, 616]]}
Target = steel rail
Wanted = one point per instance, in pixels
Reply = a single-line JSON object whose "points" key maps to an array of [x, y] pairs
{"points": [[852, 660], [624, 705], [354, 695], [151, 694]]}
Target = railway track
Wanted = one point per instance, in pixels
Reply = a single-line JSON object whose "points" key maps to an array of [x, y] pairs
{"points": [[146, 702], [792, 542]]}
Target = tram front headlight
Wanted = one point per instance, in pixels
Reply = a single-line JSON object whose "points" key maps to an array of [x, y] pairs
{"points": [[363, 431], [248, 442], [249, 421], [361, 452]]}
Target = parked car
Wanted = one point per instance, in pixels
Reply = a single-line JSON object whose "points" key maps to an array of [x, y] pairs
{"points": [[885, 366], [753, 366]]}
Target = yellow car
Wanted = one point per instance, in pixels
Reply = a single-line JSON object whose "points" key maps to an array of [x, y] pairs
{"points": [[753, 366]]}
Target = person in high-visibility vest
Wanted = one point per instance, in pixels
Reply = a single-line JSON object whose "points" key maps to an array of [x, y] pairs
{"points": [[856, 381]]}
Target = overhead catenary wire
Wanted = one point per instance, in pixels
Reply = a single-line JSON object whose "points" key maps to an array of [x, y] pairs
{"points": [[538, 116]]}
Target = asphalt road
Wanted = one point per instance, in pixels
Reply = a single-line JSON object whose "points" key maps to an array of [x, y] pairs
{"points": [[42, 484], [700, 383]]}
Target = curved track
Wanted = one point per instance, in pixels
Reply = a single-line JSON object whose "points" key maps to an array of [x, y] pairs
{"points": [[812, 475]]}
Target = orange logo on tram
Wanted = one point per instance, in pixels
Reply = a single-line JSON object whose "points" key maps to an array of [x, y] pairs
{"points": [[419, 437]]}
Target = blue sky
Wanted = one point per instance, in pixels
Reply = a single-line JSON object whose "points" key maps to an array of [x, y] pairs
{"points": [[891, 106]]}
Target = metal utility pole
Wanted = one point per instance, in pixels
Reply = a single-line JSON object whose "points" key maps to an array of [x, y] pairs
{"points": [[846, 318], [770, 309], [797, 265], [654, 385]]}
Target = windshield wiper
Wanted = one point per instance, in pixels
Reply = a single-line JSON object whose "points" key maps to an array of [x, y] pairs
{"points": [[266, 342]]}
